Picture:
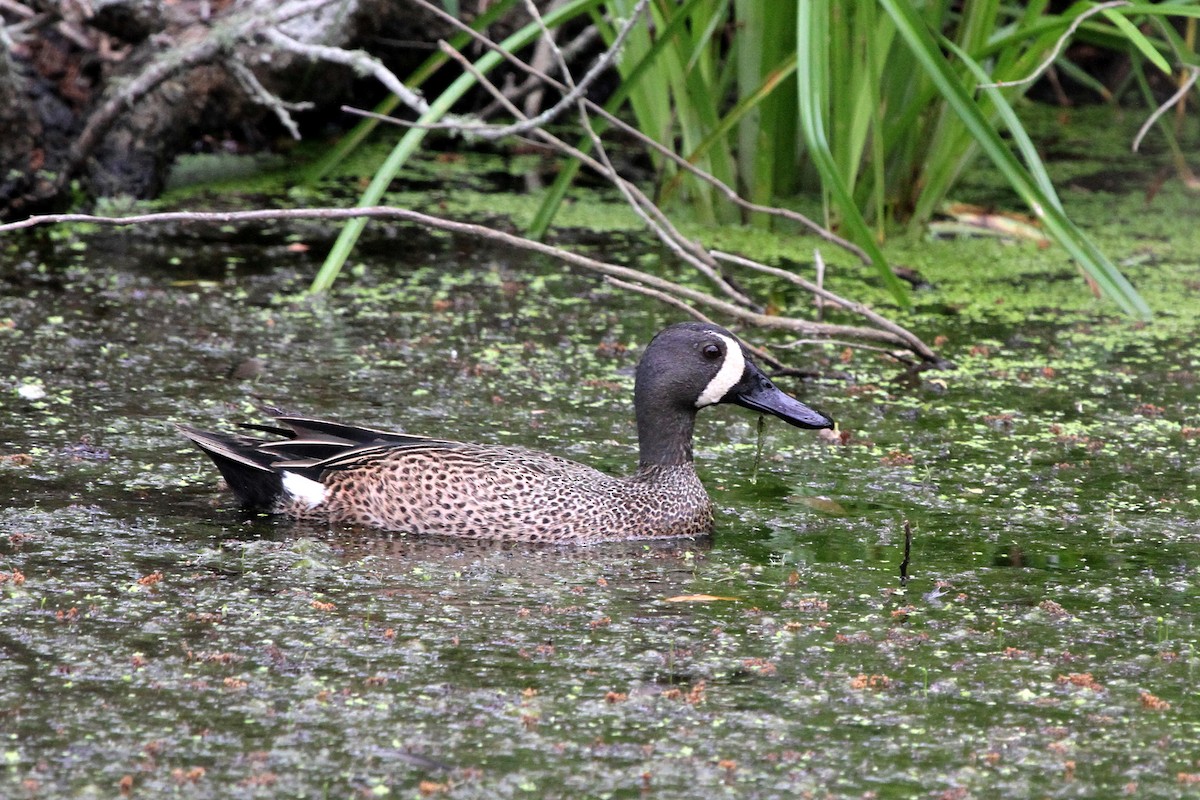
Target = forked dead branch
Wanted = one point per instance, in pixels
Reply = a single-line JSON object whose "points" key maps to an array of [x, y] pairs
{"points": [[731, 301], [904, 344], [724, 298]]}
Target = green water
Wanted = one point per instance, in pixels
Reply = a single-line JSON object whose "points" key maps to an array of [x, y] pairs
{"points": [[153, 634]]}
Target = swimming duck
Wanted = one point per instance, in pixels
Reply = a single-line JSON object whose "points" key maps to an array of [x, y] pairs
{"points": [[323, 470]]}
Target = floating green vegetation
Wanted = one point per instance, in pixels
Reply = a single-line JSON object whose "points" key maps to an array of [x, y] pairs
{"points": [[156, 641]]}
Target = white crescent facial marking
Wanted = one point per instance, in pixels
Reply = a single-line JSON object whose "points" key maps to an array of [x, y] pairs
{"points": [[729, 374], [306, 490]]}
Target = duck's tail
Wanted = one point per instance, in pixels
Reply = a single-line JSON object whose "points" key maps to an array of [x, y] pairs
{"points": [[271, 474], [249, 471]]}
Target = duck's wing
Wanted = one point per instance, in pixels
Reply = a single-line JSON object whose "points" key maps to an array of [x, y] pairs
{"points": [[456, 456], [316, 445], [311, 429], [306, 446]]}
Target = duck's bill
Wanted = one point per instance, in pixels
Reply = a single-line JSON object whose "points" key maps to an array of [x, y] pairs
{"points": [[762, 396]]}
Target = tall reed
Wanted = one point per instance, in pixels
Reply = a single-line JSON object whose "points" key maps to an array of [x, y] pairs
{"points": [[879, 105]]}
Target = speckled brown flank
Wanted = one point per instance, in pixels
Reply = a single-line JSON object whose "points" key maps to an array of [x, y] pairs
{"points": [[510, 493]]}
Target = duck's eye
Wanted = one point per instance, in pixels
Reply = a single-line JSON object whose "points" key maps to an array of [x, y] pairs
{"points": [[711, 352]]}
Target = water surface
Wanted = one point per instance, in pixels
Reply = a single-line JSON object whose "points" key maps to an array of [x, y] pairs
{"points": [[155, 641]]}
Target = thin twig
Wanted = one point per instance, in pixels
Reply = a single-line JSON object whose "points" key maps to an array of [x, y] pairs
{"points": [[910, 341], [662, 297], [841, 343], [1058, 46], [575, 93], [358, 60], [830, 343], [695, 313], [1184, 88], [532, 83], [263, 97], [681, 162], [675, 302], [641, 205], [650, 213], [664, 232], [819, 260]]}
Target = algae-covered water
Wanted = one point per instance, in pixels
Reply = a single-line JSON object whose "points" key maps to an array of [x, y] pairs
{"points": [[155, 641]]}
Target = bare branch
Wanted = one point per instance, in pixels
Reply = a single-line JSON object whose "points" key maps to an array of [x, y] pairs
{"points": [[263, 96], [665, 152], [642, 205], [662, 297], [1184, 88], [843, 343], [675, 302], [360, 61], [628, 274], [532, 88], [576, 92], [1058, 46], [910, 341]]}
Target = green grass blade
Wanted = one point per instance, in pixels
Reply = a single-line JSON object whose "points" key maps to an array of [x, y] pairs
{"points": [[696, 108], [1135, 37], [411, 140], [358, 134], [634, 71], [725, 125], [1045, 207], [767, 136], [812, 36]]}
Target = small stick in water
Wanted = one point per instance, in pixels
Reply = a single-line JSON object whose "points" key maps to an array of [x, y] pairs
{"points": [[762, 426], [907, 553]]}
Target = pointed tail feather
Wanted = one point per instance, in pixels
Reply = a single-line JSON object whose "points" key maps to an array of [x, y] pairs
{"points": [[247, 470]]}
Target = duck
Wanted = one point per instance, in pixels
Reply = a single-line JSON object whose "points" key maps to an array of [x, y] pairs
{"points": [[339, 474]]}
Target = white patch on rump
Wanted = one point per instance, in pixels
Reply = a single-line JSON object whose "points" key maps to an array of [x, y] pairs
{"points": [[729, 374], [306, 490]]}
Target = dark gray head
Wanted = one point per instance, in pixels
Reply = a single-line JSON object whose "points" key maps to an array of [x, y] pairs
{"points": [[692, 365]]}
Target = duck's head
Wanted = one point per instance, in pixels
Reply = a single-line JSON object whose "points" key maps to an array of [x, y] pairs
{"points": [[692, 365]]}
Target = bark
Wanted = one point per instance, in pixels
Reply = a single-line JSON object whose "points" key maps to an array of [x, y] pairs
{"points": [[105, 102], [22, 156]]}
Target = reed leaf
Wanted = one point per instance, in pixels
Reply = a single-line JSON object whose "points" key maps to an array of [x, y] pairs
{"points": [[359, 133], [1033, 191], [640, 57], [813, 86], [409, 142]]}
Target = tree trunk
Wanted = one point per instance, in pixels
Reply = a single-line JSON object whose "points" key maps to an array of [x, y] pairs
{"points": [[106, 102]]}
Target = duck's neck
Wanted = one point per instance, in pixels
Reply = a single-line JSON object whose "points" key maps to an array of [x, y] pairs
{"points": [[666, 439]]}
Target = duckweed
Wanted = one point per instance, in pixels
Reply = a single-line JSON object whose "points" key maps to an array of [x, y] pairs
{"points": [[156, 641]]}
